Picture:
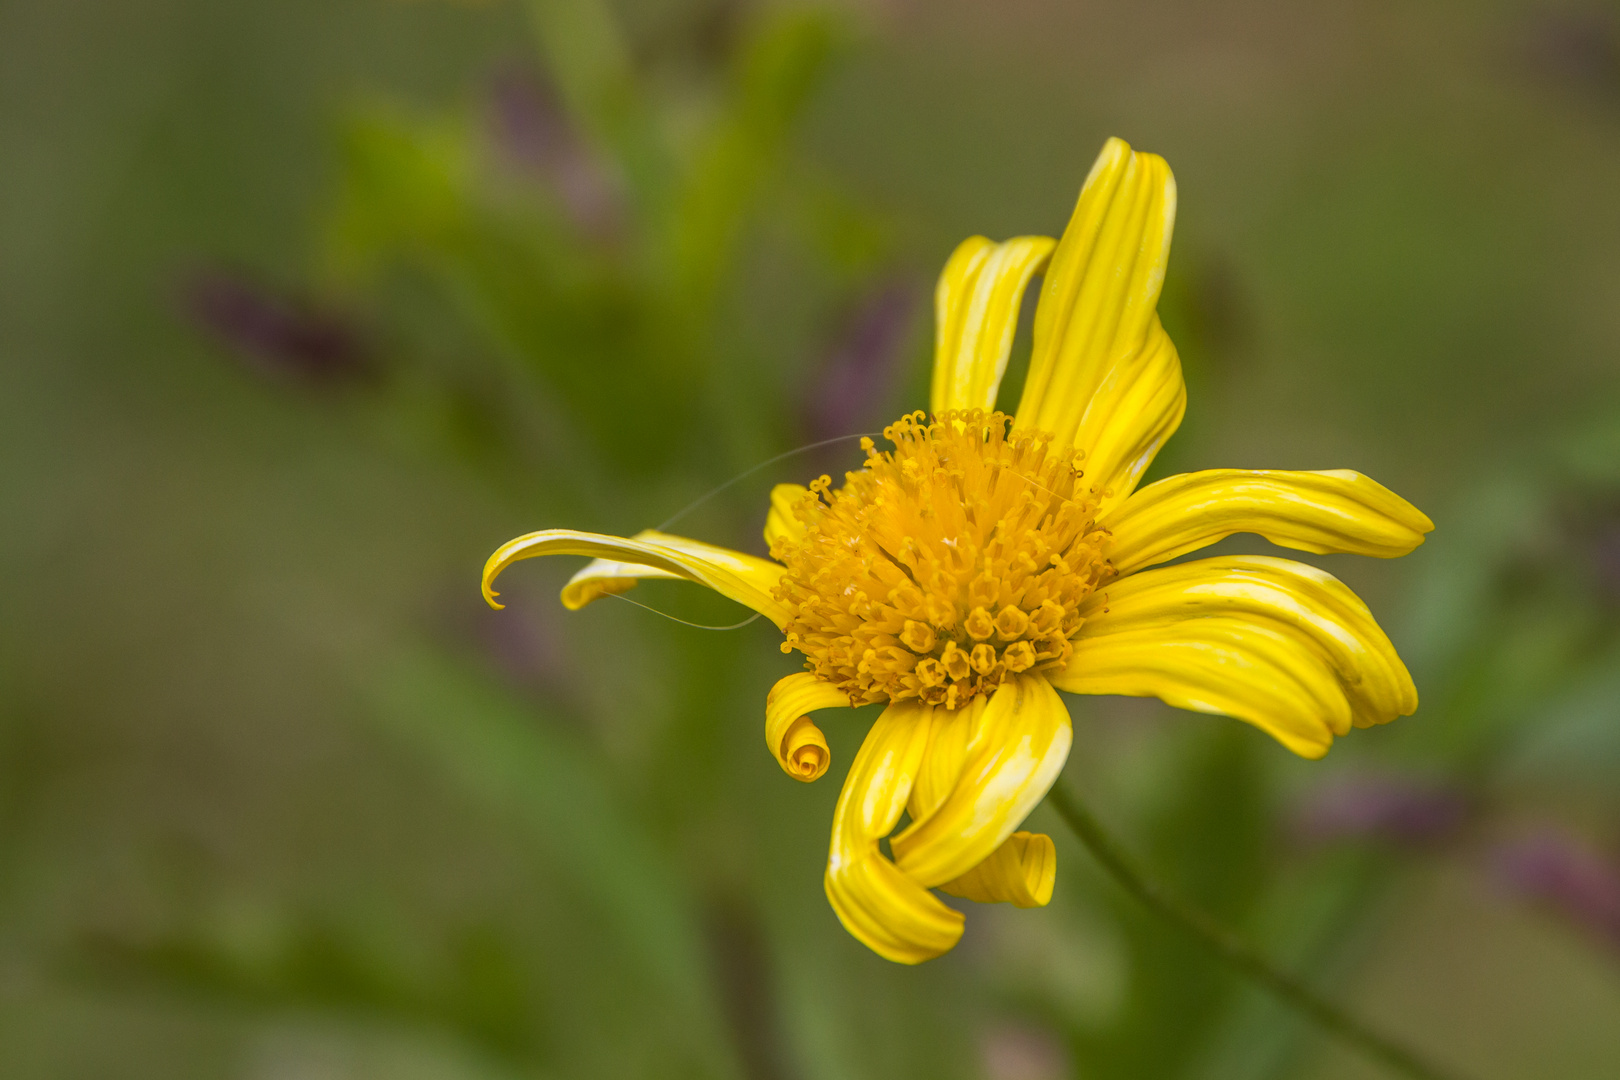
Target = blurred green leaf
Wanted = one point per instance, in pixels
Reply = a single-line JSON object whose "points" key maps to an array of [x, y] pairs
{"points": [[778, 68], [303, 961], [497, 754], [585, 51], [567, 311]]}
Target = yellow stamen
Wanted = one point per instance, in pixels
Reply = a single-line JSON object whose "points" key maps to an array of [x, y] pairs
{"points": [[965, 532]]}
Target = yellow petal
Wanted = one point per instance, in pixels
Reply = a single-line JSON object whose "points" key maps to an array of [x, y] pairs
{"points": [[1329, 511], [950, 732], [743, 578], [1103, 375], [1014, 749], [882, 907], [976, 313], [796, 743], [1133, 413], [1221, 666], [604, 577], [781, 523], [1277, 643], [1020, 872]]}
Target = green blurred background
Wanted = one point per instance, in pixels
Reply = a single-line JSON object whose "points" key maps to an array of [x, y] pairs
{"points": [[307, 305]]}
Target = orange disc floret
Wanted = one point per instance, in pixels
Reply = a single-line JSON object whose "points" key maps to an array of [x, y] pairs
{"points": [[943, 566]]}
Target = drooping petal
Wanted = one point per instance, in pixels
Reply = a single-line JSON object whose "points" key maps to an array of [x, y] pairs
{"points": [[780, 522], [1021, 872], [1223, 666], [951, 732], [796, 743], [1277, 643], [976, 312], [1013, 750], [1103, 374], [733, 574], [1329, 511], [882, 907], [604, 577]]}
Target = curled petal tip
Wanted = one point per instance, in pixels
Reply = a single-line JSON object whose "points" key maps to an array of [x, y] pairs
{"points": [[793, 738], [492, 570], [805, 749]]}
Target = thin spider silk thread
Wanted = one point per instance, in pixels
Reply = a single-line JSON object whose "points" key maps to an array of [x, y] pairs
{"points": [[705, 497], [683, 622], [701, 499]]}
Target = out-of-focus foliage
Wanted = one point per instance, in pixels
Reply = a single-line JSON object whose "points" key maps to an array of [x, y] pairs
{"points": [[305, 306]]}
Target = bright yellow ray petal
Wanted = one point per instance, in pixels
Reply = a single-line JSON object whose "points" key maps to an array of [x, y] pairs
{"points": [[743, 578], [1277, 643], [1012, 754], [604, 577], [780, 522], [1021, 872], [1103, 375], [951, 730], [1308, 603], [1329, 511], [1131, 416], [1222, 666], [796, 743], [881, 906], [976, 312]]}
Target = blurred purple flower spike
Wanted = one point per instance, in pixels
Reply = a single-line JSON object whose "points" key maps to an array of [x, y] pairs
{"points": [[1564, 874], [527, 649], [1580, 48], [275, 334], [860, 368], [1605, 554], [534, 134], [1394, 809]]}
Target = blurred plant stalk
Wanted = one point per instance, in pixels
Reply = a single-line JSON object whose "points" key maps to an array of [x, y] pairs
{"points": [[1231, 947]]}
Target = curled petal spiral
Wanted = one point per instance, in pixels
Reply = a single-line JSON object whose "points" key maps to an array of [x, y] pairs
{"points": [[796, 743], [1021, 872]]}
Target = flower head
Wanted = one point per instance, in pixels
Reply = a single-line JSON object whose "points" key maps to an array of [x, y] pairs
{"points": [[984, 562], [943, 567]]}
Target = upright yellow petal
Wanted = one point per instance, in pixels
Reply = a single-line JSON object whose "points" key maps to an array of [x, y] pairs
{"points": [[733, 574], [1131, 416], [1329, 511], [796, 743], [1005, 761], [882, 907], [1103, 375], [976, 313], [1277, 643]]}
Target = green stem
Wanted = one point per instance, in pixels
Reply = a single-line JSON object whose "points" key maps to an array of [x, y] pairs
{"points": [[1226, 944]]}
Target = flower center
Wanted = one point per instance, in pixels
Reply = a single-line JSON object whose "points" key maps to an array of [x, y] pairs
{"points": [[944, 566]]}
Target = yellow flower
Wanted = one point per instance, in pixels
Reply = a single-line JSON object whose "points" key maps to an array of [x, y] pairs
{"points": [[987, 562]]}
